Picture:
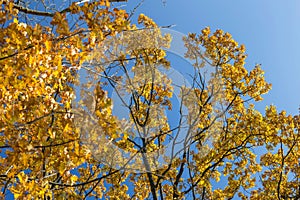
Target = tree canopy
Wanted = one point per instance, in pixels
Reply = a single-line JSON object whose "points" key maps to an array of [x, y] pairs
{"points": [[60, 137]]}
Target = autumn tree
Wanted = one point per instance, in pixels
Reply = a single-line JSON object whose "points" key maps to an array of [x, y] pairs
{"points": [[56, 146]]}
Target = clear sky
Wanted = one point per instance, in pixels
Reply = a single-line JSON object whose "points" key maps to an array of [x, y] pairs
{"points": [[270, 30]]}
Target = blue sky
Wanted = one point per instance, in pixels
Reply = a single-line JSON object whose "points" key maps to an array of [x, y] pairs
{"points": [[269, 29]]}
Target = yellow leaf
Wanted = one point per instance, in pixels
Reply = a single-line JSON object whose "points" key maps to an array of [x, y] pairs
{"points": [[48, 45], [74, 179], [61, 168], [22, 177]]}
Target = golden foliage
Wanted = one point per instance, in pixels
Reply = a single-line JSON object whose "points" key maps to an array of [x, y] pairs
{"points": [[54, 147]]}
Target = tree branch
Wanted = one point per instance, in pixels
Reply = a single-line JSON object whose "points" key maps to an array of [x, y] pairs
{"points": [[32, 12]]}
